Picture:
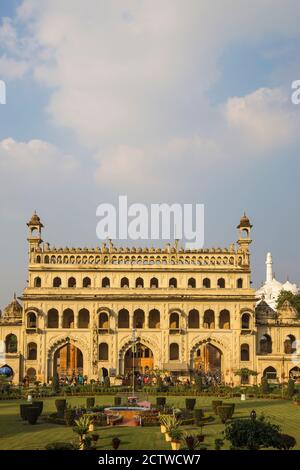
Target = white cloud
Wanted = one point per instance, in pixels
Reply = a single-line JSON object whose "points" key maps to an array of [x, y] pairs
{"points": [[27, 160]]}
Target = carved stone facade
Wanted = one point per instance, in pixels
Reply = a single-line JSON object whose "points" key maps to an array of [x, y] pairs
{"points": [[177, 301]]}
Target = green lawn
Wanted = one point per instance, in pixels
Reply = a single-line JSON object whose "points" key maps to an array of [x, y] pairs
{"points": [[15, 434]]}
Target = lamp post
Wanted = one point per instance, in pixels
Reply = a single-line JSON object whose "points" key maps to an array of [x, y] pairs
{"points": [[133, 351]]}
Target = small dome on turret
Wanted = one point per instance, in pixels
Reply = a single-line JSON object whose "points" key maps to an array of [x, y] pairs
{"points": [[35, 220], [13, 311], [244, 222]]}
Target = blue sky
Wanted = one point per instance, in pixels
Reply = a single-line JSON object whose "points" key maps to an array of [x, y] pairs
{"points": [[181, 102]]}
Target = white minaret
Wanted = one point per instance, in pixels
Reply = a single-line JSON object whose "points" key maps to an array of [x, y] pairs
{"points": [[269, 271]]}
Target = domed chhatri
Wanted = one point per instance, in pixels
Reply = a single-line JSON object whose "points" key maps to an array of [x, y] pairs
{"points": [[244, 222], [13, 311], [35, 220]]}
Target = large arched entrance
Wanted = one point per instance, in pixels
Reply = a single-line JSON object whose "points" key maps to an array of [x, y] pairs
{"points": [[141, 357], [208, 359], [68, 360]]}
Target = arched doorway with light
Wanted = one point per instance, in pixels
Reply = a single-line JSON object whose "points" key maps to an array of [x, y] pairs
{"points": [[139, 356], [68, 361], [207, 358]]}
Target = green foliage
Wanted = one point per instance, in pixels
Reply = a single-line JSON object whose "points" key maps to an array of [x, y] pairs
{"points": [[32, 414], [106, 381], [292, 298], [215, 404], [160, 402], [290, 388], [252, 434], [60, 445], [225, 412], [170, 422], [285, 442], [55, 383], [245, 372], [191, 441], [265, 385], [190, 403], [198, 415], [70, 415], [175, 435], [61, 405], [117, 401], [198, 383], [90, 402], [82, 425]]}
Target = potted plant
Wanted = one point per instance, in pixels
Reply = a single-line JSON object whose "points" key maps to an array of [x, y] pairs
{"points": [[171, 422], [81, 428], [115, 443], [175, 436], [162, 420], [191, 441]]}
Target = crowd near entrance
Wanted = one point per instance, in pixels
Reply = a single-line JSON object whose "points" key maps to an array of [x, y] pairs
{"points": [[68, 361], [141, 357]]}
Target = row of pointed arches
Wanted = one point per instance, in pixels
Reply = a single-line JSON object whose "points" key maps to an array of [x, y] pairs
{"points": [[138, 283], [176, 320]]}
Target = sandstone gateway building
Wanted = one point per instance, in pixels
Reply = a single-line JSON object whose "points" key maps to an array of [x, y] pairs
{"points": [[188, 310]]}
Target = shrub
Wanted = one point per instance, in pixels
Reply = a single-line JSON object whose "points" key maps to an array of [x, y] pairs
{"points": [[115, 442], [117, 401], [23, 407], [90, 402], [160, 402], [55, 383], [199, 415], [215, 404], [61, 405], [290, 388], [252, 434], [285, 442], [265, 385], [198, 383], [40, 405], [225, 412], [60, 445], [32, 414], [70, 415], [191, 441], [190, 403], [175, 434]]}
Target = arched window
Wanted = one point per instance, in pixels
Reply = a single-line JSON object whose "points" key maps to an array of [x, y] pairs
{"points": [[103, 352], [31, 320], [139, 283], [270, 373], [224, 320], [154, 283], [32, 351], [83, 318], [173, 282], [52, 318], [174, 321], [206, 283], [239, 283], [245, 354], [38, 259], [68, 318], [37, 282], [125, 282], [11, 344], [191, 283], [193, 319], [246, 321], [86, 282], [103, 321], [290, 344], [174, 352], [209, 319], [154, 319], [265, 344], [57, 282], [221, 283], [46, 259], [139, 319], [105, 282], [72, 282], [123, 318]]}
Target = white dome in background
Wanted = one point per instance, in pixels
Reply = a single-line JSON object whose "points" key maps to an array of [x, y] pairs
{"points": [[271, 289]]}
